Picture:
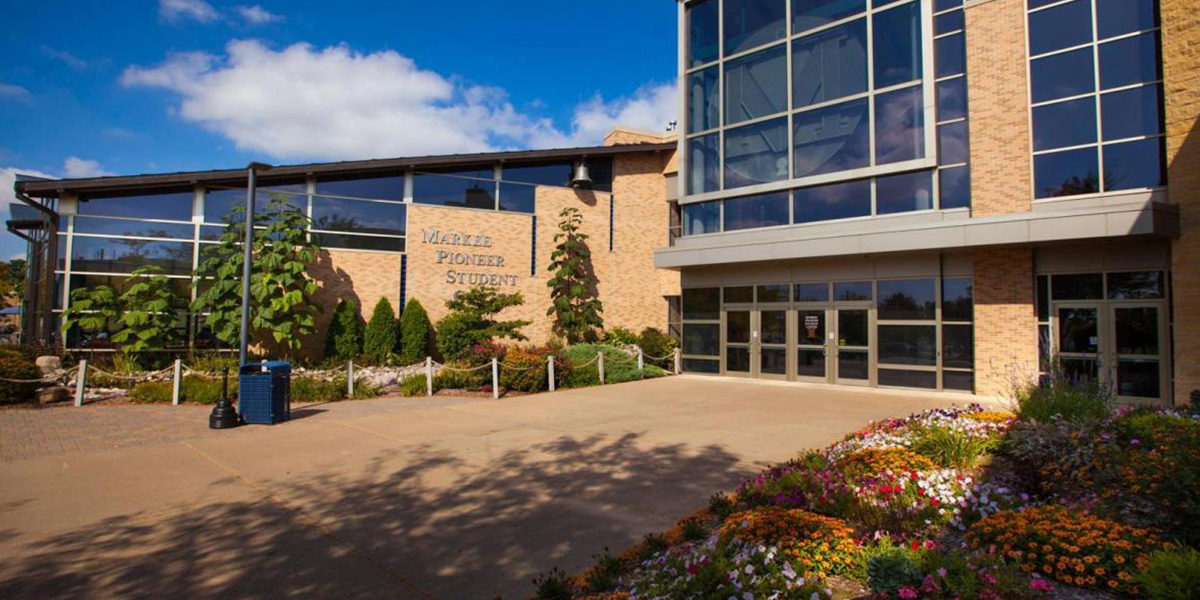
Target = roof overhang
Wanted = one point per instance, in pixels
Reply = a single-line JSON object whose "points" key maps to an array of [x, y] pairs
{"points": [[937, 230]]}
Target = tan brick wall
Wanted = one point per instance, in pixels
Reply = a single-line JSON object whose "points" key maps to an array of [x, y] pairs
{"points": [[1006, 348], [997, 107], [1181, 83], [363, 277]]}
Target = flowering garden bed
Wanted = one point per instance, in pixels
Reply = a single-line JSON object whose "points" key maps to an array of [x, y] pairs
{"points": [[950, 503]]}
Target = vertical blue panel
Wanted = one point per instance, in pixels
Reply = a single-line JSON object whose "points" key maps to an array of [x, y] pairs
{"points": [[403, 280], [533, 246], [612, 211]]}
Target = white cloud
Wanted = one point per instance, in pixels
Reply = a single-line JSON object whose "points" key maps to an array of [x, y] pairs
{"points": [[65, 57], [336, 103], [15, 92], [176, 11], [81, 167], [257, 15], [8, 176]]}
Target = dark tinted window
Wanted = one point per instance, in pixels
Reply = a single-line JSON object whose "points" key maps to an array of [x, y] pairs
{"points": [[453, 191], [899, 130], [515, 197], [958, 346], [1132, 165], [756, 211], [904, 193], [952, 143], [756, 153], [133, 228], [375, 188], [832, 138], [1136, 285], [958, 380], [116, 255], [908, 300], [756, 85], [704, 102], [1131, 113], [951, 21], [957, 299], [750, 23], [774, 293], [557, 174], [743, 293], [702, 338], [952, 99], [358, 242], [950, 55], [912, 379], [181, 287], [1088, 286], [1064, 124], [703, 33], [1117, 17], [358, 216], [220, 203], [807, 14], [704, 163], [812, 292], [696, 365], [1066, 173], [908, 345], [830, 64], [852, 290], [834, 201], [174, 206], [954, 186], [702, 303], [897, 50], [1129, 60], [1060, 27], [704, 217], [1062, 75]]}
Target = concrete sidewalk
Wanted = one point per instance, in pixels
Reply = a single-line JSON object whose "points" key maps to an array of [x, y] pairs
{"points": [[389, 498]]}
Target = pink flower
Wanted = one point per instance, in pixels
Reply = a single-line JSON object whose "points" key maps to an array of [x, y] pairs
{"points": [[907, 592], [1041, 585]]}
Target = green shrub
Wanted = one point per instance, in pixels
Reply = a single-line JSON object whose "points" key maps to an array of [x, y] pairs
{"points": [[618, 366], [472, 321], [720, 505], [525, 369], [652, 544], [18, 367], [694, 531], [202, 390], [456, 336], [214, 363], [620, 337], [447, 379], [890, 570], [604, 576], [151, 391], [552, 586], [414, 333], [344, 339], [380, 336], [413, 385], [658, 345], [1059, 396], [652, 372], [311, 389], [951, 448], [1172, 574]]}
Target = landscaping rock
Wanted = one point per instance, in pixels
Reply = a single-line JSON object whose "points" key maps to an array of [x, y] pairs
{"points": [[53, 394], [49, 364]]}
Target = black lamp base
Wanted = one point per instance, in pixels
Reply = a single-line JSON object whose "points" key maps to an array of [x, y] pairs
{"points": [[224, 415]]}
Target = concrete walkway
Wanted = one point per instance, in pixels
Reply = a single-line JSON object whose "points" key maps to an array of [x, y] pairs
{"points": [[391, 498]]}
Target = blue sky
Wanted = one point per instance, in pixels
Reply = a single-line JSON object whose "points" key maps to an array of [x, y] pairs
{"points": [[137, 86]]}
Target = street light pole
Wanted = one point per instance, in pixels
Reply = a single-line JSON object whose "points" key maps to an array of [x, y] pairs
{"points": [[246, 257]]}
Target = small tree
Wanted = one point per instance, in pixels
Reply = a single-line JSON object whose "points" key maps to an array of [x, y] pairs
{"points": [[344, 339], [91, 309], [574, 303], [380, 337], [147, 320], [472, 321], [414, 333]]}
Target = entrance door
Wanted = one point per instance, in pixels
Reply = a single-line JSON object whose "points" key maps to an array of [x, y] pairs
{"points": [[771, 356], [853, 360], [1080, 350], [812, 345], [1138, 366], [738, 333]]}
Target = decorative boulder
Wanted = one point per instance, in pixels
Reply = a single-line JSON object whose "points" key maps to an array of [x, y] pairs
{"points": [[48, 364]]}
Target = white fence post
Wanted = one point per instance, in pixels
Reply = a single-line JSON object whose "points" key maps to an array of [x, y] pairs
{"points": [[600, 365], [495, 379], [175, 382], [550, 371], [428, 376], [350, 378], [678, 361], [80, 382], [641, 360]]}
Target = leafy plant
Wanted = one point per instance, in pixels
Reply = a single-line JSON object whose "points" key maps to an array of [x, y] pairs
{"points": [[1171, 574], [603, 576], [1060, 396], [415, 332], [91, 309], [344, 339], [720, 505], [693, 530], [891, 570], [472, 320], [620, 337], [147, 320], [658, 347], [575, 307], [380, 337], [951, 447], [552, 585]]}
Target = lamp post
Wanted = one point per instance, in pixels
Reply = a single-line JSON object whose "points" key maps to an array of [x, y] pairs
{"points": [[251, 169]]}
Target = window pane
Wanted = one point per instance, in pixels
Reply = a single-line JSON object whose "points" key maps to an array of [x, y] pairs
{"points": [[756, 85], [1062, 75], [358, 242], [702, 303], [831, 64], [555, 173], [834, 138], [1136, 285], [908, 300], [1136, 330], [1116, 17], [697, 365], [1066, 173], [220, 203], [957, 299], [899, 131], [954, 187], [133, 228], [516, 197], [834, 201], [454, 191], [810, 327], [1064, 124], [704, 109], [358, 216], [897, 50], [950, 55], [1139, 378], [1042, 283], [1060, 27], [913, 379], [181, 287], [1132, 165], [756, 211], [703, 339], [376, 188], [952, 99], [958, 346], [908, 345], [750, 23], [812, 292], [117, 255], [600, 168], [904, 193], [807, 14], [704, 217], [958, 380], [174, 206], [775, 293], [702, 32], [704, 156], [1129, 60], [951, 21], [1088, 286], [852, 290], [940, 5], [742, 293], [1131, 113], [756, 153], [952, 143]]}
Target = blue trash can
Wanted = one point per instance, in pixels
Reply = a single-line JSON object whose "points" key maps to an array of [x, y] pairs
{"points": [[264, 392]]}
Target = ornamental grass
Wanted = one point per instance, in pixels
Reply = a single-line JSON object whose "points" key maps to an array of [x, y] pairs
{"points": [[1071, 546]]}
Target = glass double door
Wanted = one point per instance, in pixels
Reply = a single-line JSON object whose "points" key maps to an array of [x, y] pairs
{"points": [[756, 343], [820, 344], [1121, 345]]}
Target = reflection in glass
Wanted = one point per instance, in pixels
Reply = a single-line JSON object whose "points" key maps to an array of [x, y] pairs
{"points": [[704, 217], [1085, 286], [812, 292], [1129, 60], [1136, 285], [702, 303], [454, 191], [1131, 113], [908, 300], [912, 379], [852, 290], [774, 326], [358, 242], [1139, 378], [908, 345], [751, 212], [833, 201], [954, 187], [742, 293], [374, 188], [775, 293], [750, 23], [703, 32], [904, 193], [808, 14], [810, 327], [119, 255], [852, 328], [175, 206], [830, 64], [128, 227], [833, 138], [1062, 75], [1060, 27], [737, 359], [358, 216], [516, 197], [1080, 370], [957, 300], [704, 158], [950, 55], [1078, 330], [810, 363], [1132, 165], [1136, 330], [952, 143], [952, 99], [951, 21], [773, 361], [1066, 173], [756, 153], [958, 380], [702, 339], [704, 108], [756, 85], [899, 126], [853, 364], [1118, 17], [1064, 124], [958, 346], [897, 48]]}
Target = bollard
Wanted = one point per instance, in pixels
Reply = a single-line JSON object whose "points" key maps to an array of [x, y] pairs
{"points": [[550, 371], [175, 382], [641, 360], [495, 379], [80, 382], [678, 361], [349, 379], [600, 365], [428, 376]]}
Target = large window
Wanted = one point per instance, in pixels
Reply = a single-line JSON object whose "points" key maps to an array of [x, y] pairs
{"points": [[701, 345], [953, 149], [1096, 87], [360, 213]]}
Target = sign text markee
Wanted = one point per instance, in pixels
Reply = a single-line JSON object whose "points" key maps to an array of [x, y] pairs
{"points": [[457, 259]]}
